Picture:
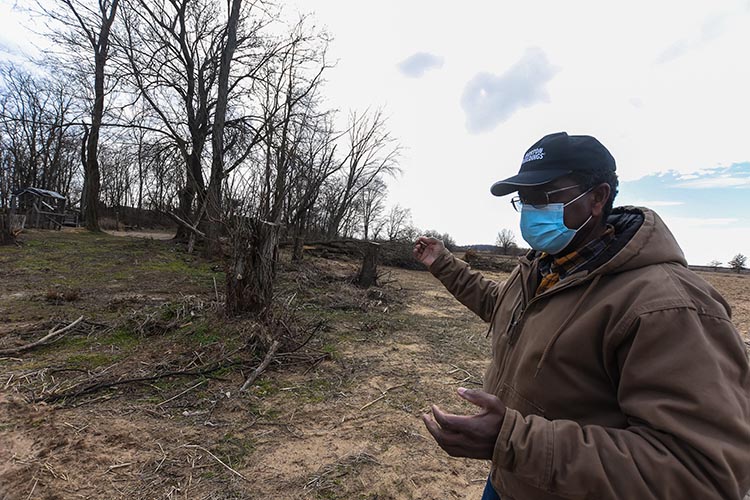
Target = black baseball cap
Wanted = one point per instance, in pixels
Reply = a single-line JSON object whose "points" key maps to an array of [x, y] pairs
{"points": [[554, 156]]}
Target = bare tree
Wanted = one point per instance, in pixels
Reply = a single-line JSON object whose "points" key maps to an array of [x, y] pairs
{"points": [[397, 223], [171, 58], [372, 153], [288, 83], [195, 63], [506, 240], [86, 25], [213, 199], [715, 264], [371, 204], [38, 144], [738, 262], [314, 166]]}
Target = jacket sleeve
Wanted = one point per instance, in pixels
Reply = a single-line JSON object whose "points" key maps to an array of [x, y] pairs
{"points": [[472, 289], [684, 386]]}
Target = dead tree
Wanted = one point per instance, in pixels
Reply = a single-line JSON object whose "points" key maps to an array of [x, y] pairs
{"points": [[314, 165], [370, 204]]}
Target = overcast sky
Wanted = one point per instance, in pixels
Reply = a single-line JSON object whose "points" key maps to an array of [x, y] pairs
{"points": [[469, 87]]}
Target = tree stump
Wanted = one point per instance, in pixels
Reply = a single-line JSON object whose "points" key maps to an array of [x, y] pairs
{"points": [[368, 274], [297, 248], [252, 270]]}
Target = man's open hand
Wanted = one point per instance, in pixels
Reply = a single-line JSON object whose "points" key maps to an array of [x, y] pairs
{"points": [[427, 249], [469, 436]]}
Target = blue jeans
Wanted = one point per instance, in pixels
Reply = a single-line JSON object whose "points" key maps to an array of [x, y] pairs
{"points": [[489, 491]]}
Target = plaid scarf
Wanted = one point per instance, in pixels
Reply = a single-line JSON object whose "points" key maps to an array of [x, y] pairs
{"points": [[554, 269]]}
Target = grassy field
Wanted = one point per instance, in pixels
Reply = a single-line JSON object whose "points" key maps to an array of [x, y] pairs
{"points": [[339, 420]]}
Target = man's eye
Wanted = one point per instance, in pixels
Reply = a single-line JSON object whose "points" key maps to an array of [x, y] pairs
{"points": [[533, 200]]}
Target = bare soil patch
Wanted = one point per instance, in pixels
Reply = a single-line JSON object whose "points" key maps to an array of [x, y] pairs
{"points": [[154, 235], [343, 427]]}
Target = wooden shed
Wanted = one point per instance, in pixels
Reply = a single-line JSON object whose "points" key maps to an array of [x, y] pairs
{"points": [[40, 208]]}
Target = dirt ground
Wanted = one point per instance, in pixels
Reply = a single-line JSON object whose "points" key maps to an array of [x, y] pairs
{"points": [[342, 425]]}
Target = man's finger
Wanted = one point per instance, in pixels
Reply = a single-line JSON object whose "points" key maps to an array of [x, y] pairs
{"points": [[432, 427], [426, 240], [444, 438], [479, 398], [451, 422]]}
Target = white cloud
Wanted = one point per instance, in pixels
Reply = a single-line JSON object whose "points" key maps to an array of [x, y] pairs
{"points": [[715, 182], [419, 63], [489, 99], [674, 51], [712, 28]]}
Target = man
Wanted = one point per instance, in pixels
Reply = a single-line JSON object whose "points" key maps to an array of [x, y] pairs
{"points": [[616, 372]]}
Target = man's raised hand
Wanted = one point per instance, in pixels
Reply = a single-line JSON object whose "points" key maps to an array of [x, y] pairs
{"points": [[427, 249]]}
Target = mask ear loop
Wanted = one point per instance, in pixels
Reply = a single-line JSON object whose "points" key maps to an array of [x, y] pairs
{"points": [[579, 197], [576, 199], [587, 221]]}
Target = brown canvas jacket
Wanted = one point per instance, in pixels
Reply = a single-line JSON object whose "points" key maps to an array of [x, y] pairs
{"points": [[626, 382]]}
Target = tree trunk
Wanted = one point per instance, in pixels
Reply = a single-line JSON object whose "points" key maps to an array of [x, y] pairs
{"points": [[255, 248], [368, 274], [185, 200], [213, 217], [299, 241], [139, 217], [213, 201]]}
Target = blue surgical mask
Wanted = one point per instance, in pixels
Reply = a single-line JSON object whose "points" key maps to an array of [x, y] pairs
{"points": [[544, 228]]}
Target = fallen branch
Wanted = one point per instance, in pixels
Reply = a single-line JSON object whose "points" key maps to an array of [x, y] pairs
{"points": [[32, 488], [52, 334], [316, 329], [266, 361], [118, 466], [183, 392], [185, 224], [384, 394], [212, 367]]}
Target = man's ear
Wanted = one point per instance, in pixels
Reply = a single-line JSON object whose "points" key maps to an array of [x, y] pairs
{"points": [[599, 198]]}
